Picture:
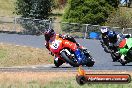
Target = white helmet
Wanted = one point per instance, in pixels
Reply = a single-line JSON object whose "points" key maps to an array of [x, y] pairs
{"points": [[104, 29]]}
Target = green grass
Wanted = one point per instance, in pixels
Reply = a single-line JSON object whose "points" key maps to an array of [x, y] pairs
{"points": [[71, 83], [3, 53], [21, 85]]}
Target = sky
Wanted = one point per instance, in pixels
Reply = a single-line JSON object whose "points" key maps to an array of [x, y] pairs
{"points": [[122, 1]]}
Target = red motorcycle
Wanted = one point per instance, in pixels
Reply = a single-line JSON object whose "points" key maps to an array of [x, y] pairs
{"points": [[64, 50]]}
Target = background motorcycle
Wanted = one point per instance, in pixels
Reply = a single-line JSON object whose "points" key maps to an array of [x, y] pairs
{"points": [[114, 50]]}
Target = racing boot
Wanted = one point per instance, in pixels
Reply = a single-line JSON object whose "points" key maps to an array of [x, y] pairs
{"points": [[122, 60]]}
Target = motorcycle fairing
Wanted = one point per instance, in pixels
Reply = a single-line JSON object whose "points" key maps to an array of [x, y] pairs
{"points": [[124, 50], [129, 43]]}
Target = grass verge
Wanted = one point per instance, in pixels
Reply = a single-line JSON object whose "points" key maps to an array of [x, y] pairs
{"points": [[12, 55], [49, 80]]}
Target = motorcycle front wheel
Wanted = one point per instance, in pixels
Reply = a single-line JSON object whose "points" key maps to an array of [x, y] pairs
{"points": [[68, 60], [90, 62]]}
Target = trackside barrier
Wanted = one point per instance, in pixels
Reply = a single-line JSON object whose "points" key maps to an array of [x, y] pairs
{"points": [[37, 26]]}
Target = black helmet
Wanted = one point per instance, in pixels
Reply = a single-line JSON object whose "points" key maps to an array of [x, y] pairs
{"points": [[48, 34]]}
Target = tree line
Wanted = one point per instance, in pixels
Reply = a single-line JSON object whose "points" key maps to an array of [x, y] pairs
{"points": [[81, 11]]}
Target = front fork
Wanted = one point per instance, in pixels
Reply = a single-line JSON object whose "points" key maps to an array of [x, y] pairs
{"points": [[84, 57], [70, 55], [74, 57]]}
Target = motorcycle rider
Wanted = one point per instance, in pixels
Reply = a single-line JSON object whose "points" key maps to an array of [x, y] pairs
{"points": [[104, 35], [114, 39], [50, 34]]}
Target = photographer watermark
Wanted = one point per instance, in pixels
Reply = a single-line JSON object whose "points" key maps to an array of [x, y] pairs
{"points": [[83, 78]]}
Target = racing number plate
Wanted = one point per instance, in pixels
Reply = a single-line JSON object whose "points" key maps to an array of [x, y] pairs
{"points": [[55, 44]]}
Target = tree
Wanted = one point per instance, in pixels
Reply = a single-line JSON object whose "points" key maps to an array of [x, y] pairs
{"points": [[87, 11], [34, 9], [121, 18], [39, 9]]}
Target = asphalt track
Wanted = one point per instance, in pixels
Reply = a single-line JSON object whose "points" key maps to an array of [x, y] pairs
{"points": [[103, 60]]}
